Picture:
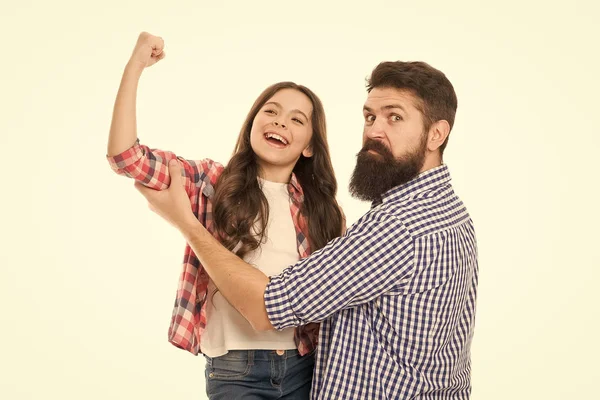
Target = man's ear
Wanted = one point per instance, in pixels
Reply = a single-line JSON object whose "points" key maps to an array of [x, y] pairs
{"points": [[438, 132]]}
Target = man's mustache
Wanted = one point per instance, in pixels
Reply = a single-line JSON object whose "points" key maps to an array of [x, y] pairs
{"points": [[377, 147]]}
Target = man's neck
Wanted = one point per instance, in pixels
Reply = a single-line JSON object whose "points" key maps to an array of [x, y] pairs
{"points": [[432, 161]]}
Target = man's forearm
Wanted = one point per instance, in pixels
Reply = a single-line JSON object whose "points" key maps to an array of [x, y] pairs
{"points": [[239, 282]]}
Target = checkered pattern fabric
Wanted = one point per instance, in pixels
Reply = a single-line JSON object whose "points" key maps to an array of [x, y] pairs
{"points": [[395, 297], [150, 167]]}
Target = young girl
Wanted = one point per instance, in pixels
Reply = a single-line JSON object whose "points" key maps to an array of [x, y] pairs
{"points": [[272, 204]]}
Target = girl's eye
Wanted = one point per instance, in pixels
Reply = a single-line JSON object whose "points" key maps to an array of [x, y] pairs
{"points": [[270, 111], [298, 121]]}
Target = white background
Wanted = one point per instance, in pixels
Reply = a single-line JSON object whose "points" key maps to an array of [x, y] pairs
{"points": [[88, 274]]}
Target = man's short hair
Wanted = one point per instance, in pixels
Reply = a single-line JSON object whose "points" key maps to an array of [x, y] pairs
{"points": [[438, 99]]}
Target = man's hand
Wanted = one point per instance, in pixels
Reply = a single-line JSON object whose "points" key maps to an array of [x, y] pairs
{"points": [[171, 204], [242, 285]]}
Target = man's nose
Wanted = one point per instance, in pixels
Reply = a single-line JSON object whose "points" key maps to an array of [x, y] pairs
{"points": [[375, 131]]}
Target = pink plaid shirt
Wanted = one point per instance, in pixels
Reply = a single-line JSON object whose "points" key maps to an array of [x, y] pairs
{"points": [[150, 167]]}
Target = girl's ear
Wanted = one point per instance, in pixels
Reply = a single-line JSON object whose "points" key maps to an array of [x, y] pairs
{"points": [[308, 152]]}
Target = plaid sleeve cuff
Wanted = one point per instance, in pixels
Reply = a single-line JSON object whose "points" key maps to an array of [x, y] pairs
{"points": [[121, 161], [278, 304]]}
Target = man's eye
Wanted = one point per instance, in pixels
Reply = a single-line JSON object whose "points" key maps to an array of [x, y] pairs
{"points": [[396, 118], [370, 118]]}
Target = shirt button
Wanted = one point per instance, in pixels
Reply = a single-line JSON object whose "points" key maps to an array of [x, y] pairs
{"points": [[211, 375], [280, 352]]}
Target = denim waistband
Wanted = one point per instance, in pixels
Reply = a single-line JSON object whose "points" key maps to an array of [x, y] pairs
{"points": [[257, 355]]}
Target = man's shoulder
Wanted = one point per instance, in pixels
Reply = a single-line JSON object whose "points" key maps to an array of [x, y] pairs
{"points": [[429, 211]]}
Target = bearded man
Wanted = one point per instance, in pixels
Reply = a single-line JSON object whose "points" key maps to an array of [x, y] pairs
{"points": [[395, 295]]}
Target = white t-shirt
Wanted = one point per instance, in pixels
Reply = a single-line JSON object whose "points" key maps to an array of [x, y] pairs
{"points": [[226, 329]]}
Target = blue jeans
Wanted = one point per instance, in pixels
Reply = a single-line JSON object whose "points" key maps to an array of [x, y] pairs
{"points": [[259, 374]]}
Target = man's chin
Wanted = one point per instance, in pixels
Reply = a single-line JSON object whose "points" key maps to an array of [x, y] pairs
{"points": [[374, 176], [366, 187]]}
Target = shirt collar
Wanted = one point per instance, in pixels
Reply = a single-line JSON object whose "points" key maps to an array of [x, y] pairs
{"points": [[295, 189], [426, 180]]}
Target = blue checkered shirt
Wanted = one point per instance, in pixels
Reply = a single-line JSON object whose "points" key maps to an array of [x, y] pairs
{"points": [[395, 295]]}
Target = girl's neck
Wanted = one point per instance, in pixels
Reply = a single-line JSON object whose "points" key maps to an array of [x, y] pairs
{"points": [[275, 174]]}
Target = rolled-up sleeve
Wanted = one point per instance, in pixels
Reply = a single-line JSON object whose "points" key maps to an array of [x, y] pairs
{"points": [[150, 167], [374, 257]]}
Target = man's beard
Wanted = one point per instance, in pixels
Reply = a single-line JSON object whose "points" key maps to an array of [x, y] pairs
{"points": [[375, 174]]}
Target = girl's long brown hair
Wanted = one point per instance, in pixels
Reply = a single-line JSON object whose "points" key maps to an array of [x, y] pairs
{"points": [[239, 201]]}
